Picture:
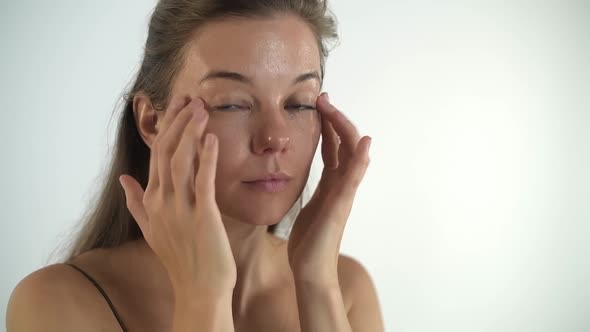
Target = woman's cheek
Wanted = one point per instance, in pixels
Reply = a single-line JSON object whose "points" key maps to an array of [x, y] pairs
{"points": [[313, 126]]}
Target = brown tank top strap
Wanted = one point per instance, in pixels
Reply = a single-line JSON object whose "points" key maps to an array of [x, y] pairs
{"points": [[103, 293]]}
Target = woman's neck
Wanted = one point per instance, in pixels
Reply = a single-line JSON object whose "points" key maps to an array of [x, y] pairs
{"points": [[261, 263]]}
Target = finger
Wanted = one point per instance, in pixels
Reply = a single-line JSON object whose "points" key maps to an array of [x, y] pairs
{"points": [[329, 145], [183, 161], [134, 200], [345, 129], [205, 179], [175, 106], [169, 143], [360, 163]]}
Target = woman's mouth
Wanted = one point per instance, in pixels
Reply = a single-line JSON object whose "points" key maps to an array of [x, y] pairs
{"points": [[271, 186]]}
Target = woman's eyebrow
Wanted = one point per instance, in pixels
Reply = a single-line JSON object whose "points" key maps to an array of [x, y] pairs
{"points": [[312, 75], [234, 76]]}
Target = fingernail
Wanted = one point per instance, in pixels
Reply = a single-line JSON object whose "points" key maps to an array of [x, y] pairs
{"points": [[370, 141], [200, 113], [198, 107], [209, 140], [198, 102], [327, 97]]}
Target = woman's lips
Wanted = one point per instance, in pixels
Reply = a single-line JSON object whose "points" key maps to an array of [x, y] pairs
{"points": [[271, 186]]}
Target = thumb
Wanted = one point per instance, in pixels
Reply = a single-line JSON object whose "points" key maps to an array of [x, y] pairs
{"points": [[134, 199]]}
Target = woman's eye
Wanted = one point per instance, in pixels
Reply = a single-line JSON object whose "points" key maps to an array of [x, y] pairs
{"points": [[300, 107], [292, 107], [230, 107]]}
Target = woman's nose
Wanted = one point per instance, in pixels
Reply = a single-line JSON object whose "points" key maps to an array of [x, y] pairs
{"points": [[273, 134]]}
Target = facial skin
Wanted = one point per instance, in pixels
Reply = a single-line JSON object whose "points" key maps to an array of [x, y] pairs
{"points": [[268, 124]]}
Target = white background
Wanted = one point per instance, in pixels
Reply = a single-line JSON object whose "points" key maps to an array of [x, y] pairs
{"points": [[475, 212]]}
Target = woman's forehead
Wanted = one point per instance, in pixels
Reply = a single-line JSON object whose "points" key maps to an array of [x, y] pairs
{"points": [[274, 47]]}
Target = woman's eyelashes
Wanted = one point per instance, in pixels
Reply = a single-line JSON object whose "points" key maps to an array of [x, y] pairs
{"points": [[230, 107], [300, 107], [290, 107]]}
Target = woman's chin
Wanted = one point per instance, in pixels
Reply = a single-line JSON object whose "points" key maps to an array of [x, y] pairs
{"points": [[263, 221], [256, 219]]}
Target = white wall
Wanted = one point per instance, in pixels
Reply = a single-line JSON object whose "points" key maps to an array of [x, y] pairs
{"points": [[475, 211]]}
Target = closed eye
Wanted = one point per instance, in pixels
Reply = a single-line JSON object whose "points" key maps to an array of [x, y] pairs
{"points": [[300, 107], [292, 107], [230, 107]]}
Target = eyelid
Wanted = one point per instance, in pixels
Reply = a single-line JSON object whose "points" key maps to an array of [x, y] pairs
{"points": [[300, 103], [301, 106], [224, 107], [240, 104]]}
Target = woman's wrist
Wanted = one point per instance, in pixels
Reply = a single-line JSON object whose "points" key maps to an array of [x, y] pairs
{"points": [[316, 279], [207, 312], [196, 298], [191, 290], [321, 306]]}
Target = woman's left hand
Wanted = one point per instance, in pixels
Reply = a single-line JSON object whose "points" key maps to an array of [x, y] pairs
{"points": [[314, 243]]}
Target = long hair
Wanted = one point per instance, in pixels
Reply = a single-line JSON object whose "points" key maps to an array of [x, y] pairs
{"points": [[107, 222]]}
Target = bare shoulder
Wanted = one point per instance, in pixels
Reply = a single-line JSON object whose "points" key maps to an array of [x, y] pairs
{"points": [[53, 298], [359, 295], [352, 276]]}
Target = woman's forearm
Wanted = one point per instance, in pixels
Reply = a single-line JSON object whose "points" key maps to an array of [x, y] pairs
{"points": [[203, 314], [321, 308]]}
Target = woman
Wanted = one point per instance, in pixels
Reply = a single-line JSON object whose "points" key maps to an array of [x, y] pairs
{"points": [[220, 129]]}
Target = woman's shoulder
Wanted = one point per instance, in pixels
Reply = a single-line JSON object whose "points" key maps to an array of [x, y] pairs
{"points": [[53, 298], [354, 279], [359, 294], [59, 297]]}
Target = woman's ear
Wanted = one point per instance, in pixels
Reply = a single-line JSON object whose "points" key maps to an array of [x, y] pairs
{"points": [[146, 117]]}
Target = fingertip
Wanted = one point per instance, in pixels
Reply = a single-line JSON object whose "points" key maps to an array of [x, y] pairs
{"points": [[210, 141], [364, 144], [321, 98], [198, 102], [121, 182], [367, 157], [178, 104], [369, 151], [333, 165], [133, 197]]}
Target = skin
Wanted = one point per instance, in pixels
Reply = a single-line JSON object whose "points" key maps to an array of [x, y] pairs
{"points": [[265, 131]]}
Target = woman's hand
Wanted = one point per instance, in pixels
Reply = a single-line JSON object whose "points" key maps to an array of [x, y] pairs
{"points": [[178, 214], [314, 243]]}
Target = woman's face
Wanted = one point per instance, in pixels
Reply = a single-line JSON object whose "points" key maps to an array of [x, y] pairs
{"points": [[263, 113]]}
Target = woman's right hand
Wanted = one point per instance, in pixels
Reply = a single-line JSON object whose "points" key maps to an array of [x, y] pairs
{"points": [[178, 214]]}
